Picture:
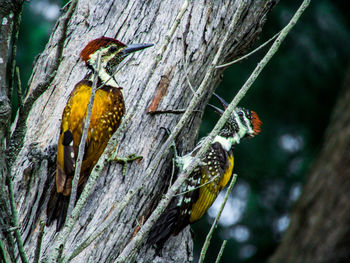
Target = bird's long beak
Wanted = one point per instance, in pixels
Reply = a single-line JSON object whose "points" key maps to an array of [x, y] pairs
{"points": [[135, 47], [216, 109], [223, 102]]}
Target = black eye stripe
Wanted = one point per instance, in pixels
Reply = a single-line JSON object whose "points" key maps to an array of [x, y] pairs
{"points": [[242, 118], [248, 114], [112, 49]]}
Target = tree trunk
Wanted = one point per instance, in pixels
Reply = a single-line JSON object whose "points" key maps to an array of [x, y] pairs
{"points": [[195, 41], [9, 14], [320, 222]]}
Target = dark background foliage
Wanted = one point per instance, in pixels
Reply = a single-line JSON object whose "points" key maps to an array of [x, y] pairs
{"points": [[293, 96]]}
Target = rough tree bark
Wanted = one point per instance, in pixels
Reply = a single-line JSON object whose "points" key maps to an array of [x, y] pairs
{"points": [[9, 14], [196, 39], [320, 222]]}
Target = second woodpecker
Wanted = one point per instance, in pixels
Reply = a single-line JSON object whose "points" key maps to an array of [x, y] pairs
{"points": [[207, 180], [107, 112]]}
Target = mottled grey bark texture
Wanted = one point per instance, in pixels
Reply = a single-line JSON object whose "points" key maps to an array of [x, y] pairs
{"points": [[320, 222], [196, 39], [9, 13]]}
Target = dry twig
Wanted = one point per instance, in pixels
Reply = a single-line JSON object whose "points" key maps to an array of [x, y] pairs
{"points": [[82, 144]]}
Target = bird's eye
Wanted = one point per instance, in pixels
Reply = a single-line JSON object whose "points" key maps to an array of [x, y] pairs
{"points": [[112, 49], [247, 113], [240, 114]]}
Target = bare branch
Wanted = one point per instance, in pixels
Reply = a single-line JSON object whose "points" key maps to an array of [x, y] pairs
{"points": [[5, 222], [3, 253], [82, 144], [11, 229], [40, 240], [15, 221], [12, 66], [221, 251], [249, 54], [172, 31], [19, 88], [177, 111]]}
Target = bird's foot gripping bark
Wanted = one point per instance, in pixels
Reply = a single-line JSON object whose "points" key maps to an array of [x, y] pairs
{"points": [[125, 160]]}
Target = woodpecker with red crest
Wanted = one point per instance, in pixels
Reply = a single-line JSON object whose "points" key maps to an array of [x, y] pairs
{"points": [[107, 112], [207, 180]]}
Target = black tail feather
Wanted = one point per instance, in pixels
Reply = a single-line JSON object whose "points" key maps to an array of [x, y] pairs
{"points": [[57, 209], [164, 227]]}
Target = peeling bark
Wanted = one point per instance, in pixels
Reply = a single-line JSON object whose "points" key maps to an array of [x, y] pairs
{"points": [[164, 87]]}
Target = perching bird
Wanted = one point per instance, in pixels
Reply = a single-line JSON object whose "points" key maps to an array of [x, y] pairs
{"points": [[107, 112], [208, 179]]}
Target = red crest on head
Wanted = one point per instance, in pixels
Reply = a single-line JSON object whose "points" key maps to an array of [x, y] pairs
{"points": [[256, 122], [96, 44]]}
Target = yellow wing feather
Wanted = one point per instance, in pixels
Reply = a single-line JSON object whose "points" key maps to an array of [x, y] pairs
{"points": [[106, 116], [209, 192]]}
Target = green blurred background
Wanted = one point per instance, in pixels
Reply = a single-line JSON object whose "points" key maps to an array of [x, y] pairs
{"points": [[294, 97]]}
